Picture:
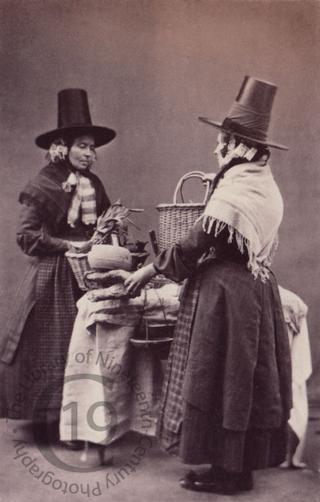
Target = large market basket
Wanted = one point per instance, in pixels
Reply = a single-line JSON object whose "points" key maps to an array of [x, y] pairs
{"points": [[176, 219]]}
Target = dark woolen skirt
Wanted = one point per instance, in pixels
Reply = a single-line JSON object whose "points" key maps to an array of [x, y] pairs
{"points": [[227, 392], [203, 443], [32, 384]]}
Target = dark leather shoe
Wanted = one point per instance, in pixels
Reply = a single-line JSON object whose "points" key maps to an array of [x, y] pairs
{"points": [[207, 475], [235, 484], [188, 479]]}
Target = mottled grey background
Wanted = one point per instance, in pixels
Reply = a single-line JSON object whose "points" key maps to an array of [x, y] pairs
{"points": [[150, 68]]}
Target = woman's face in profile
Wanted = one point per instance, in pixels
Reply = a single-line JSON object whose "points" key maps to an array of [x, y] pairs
{"points": [[221, 148], [82, 153]]}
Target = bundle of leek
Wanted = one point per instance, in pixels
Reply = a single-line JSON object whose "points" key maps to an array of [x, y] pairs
{"points": [[112, 226]]}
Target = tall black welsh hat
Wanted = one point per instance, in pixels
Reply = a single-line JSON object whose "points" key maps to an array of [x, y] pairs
{"points": [[249, 116], [74, 120]]}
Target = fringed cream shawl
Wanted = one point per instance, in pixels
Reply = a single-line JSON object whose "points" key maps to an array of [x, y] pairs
{"points": [[247, 200]]}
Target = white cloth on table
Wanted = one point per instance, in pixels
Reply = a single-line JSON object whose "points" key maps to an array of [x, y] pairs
{"points": [[295, 312], [155, 304], [110, 387]]}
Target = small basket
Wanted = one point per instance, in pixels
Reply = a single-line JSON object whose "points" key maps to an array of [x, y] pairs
{"points": [[80, 265], [154, 337], [176, 219]]}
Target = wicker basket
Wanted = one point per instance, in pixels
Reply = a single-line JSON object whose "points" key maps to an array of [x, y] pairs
{"points": [[154, 337], [80, 265], [176, 219]]}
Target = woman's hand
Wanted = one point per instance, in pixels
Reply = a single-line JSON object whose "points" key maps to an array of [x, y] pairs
{"points": [[135, 282], [81, 247]]}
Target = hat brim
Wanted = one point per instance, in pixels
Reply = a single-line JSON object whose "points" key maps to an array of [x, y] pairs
{"points": [[218, 125], [101, 135]]}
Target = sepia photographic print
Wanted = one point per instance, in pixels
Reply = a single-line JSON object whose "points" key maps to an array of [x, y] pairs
{"points": [[159, 250]]}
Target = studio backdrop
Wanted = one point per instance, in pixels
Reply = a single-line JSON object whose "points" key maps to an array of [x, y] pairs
{"points": [[150, 68]]}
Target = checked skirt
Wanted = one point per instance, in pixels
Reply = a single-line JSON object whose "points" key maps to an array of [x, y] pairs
{"points": [[32, 384], [171, 407]]}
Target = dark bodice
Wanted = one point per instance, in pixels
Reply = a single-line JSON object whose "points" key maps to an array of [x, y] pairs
{"points": [[43, 227], [36, 236]]}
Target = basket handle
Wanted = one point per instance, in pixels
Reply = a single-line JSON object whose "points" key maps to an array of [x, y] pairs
{"points": [[187, 176]]}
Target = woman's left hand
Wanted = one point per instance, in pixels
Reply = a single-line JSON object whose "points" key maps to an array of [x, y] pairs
{"points": [[135, 282], [83, 247]]}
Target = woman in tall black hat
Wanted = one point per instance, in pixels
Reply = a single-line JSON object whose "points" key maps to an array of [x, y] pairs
{"points": [[59, 210], [227, 392]]}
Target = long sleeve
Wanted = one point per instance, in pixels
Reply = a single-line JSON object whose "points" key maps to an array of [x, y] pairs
{"points": [[180, 260], [33, 237]]}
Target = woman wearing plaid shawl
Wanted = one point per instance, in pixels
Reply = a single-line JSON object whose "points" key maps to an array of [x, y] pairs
{"points": [[227, 392], [59, 210]]}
